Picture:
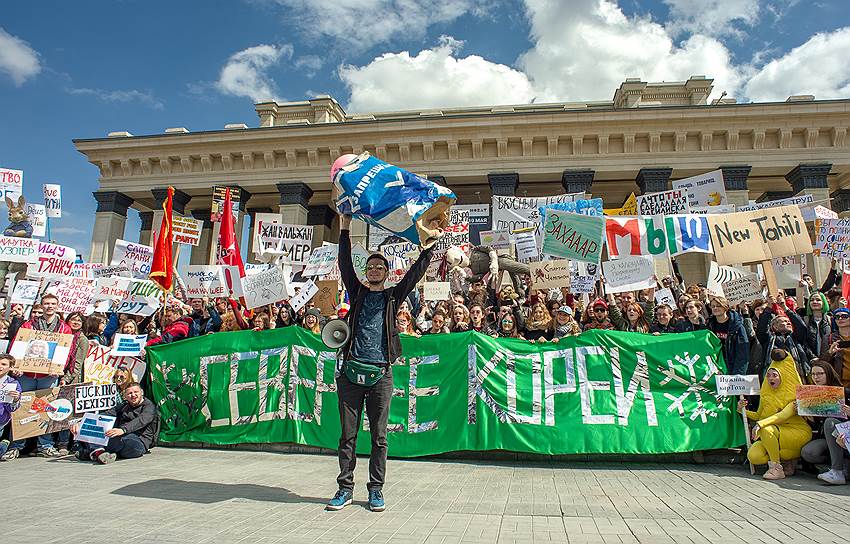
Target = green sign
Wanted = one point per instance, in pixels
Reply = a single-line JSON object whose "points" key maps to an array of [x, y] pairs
{"points": [[573, 236], [600, 392]]}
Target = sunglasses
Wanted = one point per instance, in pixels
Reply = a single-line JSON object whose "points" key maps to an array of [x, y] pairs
{"points": [[842, 315], [376, 267]]}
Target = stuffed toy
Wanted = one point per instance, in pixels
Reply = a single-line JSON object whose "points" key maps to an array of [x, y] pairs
{"points": [[484, 260], [456, 263]]}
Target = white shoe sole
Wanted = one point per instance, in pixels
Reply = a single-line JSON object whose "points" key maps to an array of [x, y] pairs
{"points": [[376, 508], [336, 508]]}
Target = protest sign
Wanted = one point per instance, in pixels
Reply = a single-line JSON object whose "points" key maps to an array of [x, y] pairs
{"points": [[628, 274], [517, 212], [112, 271], [822, 212], [672, 202], [733, 385], [665, 296], [218, 202], [186, 230], [111, 288], [5, 397], [805, 202], [592, 206], [378, 237], [53, 199], [291, 242], [305, 294], [41, 352], [629, 207], [128, 344], [479, 220], [265, 219], [322, 260], [142, 298], [54, 261], [75, 295], [718, 275], [26, 292], [526, 246], [37, 214], [705, 190], [759, 235], [832, 238], [95, 397], [93, 428], [496, 239], [98, 368], [657, 235], [136, 257], [85, 270], [264, 288], [746, 288], [205, 281], [788, 271], [437, 290], [582, 284], [326, 298], [43, 411], [550, 274], [573, 236], [11, 183], [402, 250], [820, 400], [456, 232], [18, 250], [359, 256]]}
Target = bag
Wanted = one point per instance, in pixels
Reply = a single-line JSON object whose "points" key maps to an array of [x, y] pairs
{"points": [[362, 373]]}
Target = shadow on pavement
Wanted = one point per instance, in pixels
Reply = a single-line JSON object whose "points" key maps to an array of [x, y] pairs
{"points": [[211, 492]]}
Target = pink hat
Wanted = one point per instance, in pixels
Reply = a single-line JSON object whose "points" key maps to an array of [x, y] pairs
{"points": [[340, 162]]}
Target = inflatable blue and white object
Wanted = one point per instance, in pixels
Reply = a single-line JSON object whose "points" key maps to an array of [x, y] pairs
{"points": [[392, 198]]}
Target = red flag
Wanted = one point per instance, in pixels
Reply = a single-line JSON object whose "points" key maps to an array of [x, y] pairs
{"points": [[228, 246], [162, 268]]}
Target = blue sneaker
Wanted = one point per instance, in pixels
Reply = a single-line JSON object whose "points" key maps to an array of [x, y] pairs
{"points": [[341, 500], [376, 500]]}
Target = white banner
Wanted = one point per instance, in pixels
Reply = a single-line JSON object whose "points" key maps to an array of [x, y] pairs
{"points": [[205, 281], [114, 288], [38, 219], [705, 190], [629, 274], [137, 257], [671, 202], [142, 298], [53, 199], [11, 183], [517, 212], [307, 291]]}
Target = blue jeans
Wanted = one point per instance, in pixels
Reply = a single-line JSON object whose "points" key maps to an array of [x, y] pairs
{"points": [[34, 384], [128, 446]]}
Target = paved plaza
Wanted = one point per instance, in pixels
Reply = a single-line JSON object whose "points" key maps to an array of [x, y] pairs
{"points": [[188, 495]]}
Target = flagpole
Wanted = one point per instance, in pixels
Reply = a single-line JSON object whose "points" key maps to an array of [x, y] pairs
{"points": [[47, 229]]}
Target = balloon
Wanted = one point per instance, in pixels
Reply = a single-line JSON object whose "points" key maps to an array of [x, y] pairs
{"points": [[340, 162]]}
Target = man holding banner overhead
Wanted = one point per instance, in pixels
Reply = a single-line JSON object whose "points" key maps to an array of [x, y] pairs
{"points": [[366, 375]]}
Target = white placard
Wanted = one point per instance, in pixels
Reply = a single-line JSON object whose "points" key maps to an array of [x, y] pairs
{"points": [[264, 288], [705, 190], [95, 397], [38, 218], [93, 429], [305, 294], [75, 295], [11, 183], [18, 250], [265, 218], [53, 199], [186, 230], [112, 271], [114, 288], [437, 290], [718, 275], [137, 257], [552, 274], [205, 281], [526, 246], [788, 271], [322, 261], [128, 345], [54, 261], [518, 212], [743, 289], [806, 203], [733, 385], [672, 202], [665, 296], [26, 292], [291, 242], [496, 239], [142, 298], [629, 274]]}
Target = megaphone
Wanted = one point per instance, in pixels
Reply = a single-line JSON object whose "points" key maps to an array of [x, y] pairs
{"points": [[335, 333]]}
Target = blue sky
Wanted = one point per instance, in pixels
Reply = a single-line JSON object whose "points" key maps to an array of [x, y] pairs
{"points": [[145, 66]]}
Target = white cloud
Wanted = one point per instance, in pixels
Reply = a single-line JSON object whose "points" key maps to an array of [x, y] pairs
{"points": [[67, 230], [585, 50], [246, 72], [120, 96], [309, 64], [819, 67], [433, 78], [362, 24], [712, 17], [17, 59]]}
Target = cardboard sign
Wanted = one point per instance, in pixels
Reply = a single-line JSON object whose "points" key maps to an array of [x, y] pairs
{"points": [[670, 202], [759, 235], [665, 296], [513, 213], [265, 288], [11, 183], [788, 271], [305, 294], [38, 218], [95, 397], [326, 298], [629, 207], [205, 281], [526, 246], [322, 260], [43, 411], [832, 238], [136, 257], [437, 290], [573, 236], [131, 345], [93, 429], [820, 400], [628, 274], [733, 385], [186, 230], [18, 250], [41, 352], [718, 275], [26, 292], [75, 295], [218, 202], [52, 199], [100, 365], [550, 274], [142, 298], [705, 190], [496, 239], [746, 288], [111, 288]]}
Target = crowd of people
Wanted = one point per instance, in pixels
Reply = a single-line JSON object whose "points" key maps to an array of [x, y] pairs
{"points": [[786, 339]]}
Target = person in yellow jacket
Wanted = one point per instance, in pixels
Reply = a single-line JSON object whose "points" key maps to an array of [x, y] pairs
{"points": [[779, 433]]}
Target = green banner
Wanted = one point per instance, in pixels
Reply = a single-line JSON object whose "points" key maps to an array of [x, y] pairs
{"points": [[600, 392]]}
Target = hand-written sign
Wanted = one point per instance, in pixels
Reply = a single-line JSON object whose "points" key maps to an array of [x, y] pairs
{"points": [[264, 288], [53, 199], [54, 261], [305, 294], [100, 365], [437, 290], [805, 202], [820, 400], [665, 296], [526, 245], [758, 235], [326, 299], [205, 281], [733, 385], [832, 238], [657, 235], [704, 190], [186, 230], [112, 271], [496, 239], [291, 242], [670, 202], [95, 397], [747, 288], [41, 352], [111, 288], [142, 298], [85, 270], [18, 250], [136, 257], [550, 274], [628, 274], [718, 275], [573, 236], [517, 212], [11, 183], [26, 291], [38, 218], [456, 232], [322, 261], [43, 411], [75, 295]]}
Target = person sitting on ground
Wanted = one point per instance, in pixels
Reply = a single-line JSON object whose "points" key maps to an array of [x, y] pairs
{"points": [[565, 325], [539, 327], [728, 326], [13, 395], [779, 433], [823, 448], [133, 434], [663, 322]]}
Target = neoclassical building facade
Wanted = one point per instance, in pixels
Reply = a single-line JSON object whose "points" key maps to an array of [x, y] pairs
{"points": [[646, 136]]}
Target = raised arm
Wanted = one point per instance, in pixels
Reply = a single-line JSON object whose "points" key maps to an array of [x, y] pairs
{"points": [[346, 266], [414, 274]]}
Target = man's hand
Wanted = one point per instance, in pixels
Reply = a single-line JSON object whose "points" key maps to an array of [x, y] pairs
{"points": [[75, 429], [112, 433], [14, 395]]}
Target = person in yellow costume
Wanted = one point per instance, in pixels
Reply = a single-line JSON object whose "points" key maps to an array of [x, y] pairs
{"points": [[779, 433]]}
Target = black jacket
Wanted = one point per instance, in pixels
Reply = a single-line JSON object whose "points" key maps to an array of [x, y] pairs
{"points": [[142, 420], [357, 294]]}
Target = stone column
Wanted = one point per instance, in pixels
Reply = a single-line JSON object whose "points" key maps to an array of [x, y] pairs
{"points": [[146, 218], [251, 221], [811, 179], [109, 221], [503, 184], [294, 199], [321, 218], [244, 196], [578, 181], [841, 202], [201, 252], [735, 180], [653, 180]]}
